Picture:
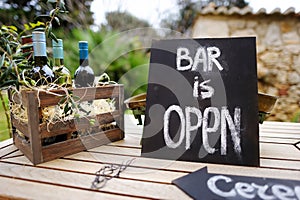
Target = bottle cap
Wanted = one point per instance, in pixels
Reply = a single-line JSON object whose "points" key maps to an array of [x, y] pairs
{"points": [[59, 43], [38, 36], [83, 44]]}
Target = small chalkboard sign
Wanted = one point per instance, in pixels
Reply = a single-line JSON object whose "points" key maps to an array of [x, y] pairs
{"points": [[202, 101], [202, 185]]}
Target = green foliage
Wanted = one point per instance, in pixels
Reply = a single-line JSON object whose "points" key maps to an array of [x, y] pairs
{"points": [[110, 52], [229, 3], [4, 131], [11, 57], [20, 12], [13, 61], [188, 10], [296, 117], [122, 21]]}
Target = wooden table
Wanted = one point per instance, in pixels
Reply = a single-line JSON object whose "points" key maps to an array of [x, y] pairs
{"points": [[70, 177]]}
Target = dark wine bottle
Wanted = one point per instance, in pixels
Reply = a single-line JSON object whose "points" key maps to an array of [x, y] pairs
{"points": [[61, 72], [84, 75], [27, 48], [41, 73]]}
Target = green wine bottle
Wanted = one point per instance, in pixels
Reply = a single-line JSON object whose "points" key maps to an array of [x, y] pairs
{"points": [[84, 75], [61, 72], [41, 73]]}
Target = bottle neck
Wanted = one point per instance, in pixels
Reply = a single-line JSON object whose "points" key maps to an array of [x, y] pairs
{"points": [[83, 57], [58, 56], [57, 62], [84, 62], [40, 60], [61, 61]]}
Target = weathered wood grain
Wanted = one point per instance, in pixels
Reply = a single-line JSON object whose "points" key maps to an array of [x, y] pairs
{"points": [[71, 176]]}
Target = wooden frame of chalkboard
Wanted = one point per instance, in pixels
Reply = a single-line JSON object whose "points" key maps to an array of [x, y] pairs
{"points": [[202, 101]]}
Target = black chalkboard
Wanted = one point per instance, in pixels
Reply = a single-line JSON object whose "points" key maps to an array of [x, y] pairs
{"points": [[202, 185], [202, 101]]}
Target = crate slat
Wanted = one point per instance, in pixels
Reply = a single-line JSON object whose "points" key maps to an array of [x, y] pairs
{"points": [[21, 126], [59, 128], [23, 146], [85, 94]]}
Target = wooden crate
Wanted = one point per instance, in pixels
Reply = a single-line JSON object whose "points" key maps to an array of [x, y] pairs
{"points": [[35, 131]]}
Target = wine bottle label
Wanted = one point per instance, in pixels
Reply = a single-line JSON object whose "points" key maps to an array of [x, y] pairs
{"points": [[39, 49]]}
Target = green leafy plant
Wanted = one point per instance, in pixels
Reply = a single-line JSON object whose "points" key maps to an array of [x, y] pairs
{"points": [[112, 54], [296, 117], [13, 61]]}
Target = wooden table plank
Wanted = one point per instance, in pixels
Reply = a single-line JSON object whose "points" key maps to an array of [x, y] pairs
{"points": [[145, 177], [278, 140], [181, 166], [5, 143], [282, 164], [281, 134], [117, 150], [267, 150], [129, 141], [116, 186], [284, 125], [16, 188], [160, 171], [131, 125], [93, 161], [132, 172], [279, 151], [280, 130], [7, 150], [13, 154]]}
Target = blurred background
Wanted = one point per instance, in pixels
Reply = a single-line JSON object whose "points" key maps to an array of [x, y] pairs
{"points": [[120, 32]]}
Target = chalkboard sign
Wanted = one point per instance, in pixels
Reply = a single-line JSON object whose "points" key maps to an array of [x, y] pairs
{"points": [[202, 185], [202, 101]]}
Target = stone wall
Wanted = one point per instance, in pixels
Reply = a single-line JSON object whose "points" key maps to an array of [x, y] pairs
{"points": [[278, 53]]}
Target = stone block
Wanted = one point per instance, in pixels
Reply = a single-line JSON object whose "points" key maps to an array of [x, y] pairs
{"points": [[261, 71], [251, 24], [272, 91], [293, 78], [296, 64], [282, 76], [292, 48], [210, 28], [286, 27], [273, 35], [244, 33], [291, 38], [235, 24], [260, 48], [285, 58], [261, 29], [270, 58]]}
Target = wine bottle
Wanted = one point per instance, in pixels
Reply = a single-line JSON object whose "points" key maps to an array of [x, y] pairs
{"points": [[61, 72], [41, 73], [27, 53], [27, 48], [84, 75]]}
